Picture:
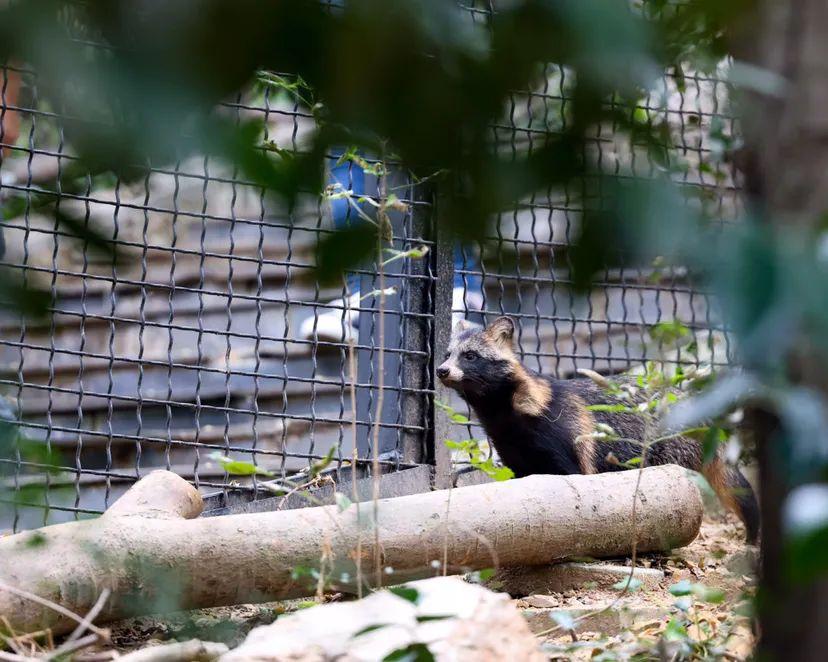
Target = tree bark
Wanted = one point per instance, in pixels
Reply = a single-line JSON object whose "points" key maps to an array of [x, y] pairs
{"points": [[786, 172], [154, 560]]}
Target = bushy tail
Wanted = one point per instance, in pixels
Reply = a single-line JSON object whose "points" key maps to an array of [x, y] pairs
{"points": [[736, 495]]}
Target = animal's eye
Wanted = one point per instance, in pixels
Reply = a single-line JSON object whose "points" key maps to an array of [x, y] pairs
{"points": [[470, 356]]}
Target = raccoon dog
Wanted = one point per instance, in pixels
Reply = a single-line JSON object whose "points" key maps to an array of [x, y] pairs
{"points": [[542, 426]]}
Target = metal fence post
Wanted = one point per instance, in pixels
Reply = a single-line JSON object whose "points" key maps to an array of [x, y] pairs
{"points": [[416, 338], [443, 271]]}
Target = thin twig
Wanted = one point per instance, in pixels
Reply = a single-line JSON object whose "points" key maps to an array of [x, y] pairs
{"points": [[53, 606], [315, 482], [11, 643], [418, 180], [91, 616], [635, 522], [97, 656], [354, 448], [71, 646], [324, 562], [348, 195], [446, 530], [11, 638], [382, 217], [483, 540]]}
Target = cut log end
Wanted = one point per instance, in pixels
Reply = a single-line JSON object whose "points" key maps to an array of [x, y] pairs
{"points": [[161, 494]]}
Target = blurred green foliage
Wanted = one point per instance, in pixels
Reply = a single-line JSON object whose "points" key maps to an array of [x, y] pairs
{"points": [[416, 78], [420, 82]]}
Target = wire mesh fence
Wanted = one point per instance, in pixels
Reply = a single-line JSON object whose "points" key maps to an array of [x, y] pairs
{"points": [[523, 268], [524, 265], [190, 341], [208, 334]]}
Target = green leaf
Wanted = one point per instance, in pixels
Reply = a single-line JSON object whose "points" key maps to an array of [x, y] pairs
{"points": [[433, 617], [700, 591], [684, 587], [454, 416], [342, 502], [668, 333], [318, 467], [709, 594], [502, 473], [91, 236], [238, 467], [369, 628], [683, 603], [301, 571], [22, 296], [563, 619], [675, 631], [634, 584], [611, 409], [745, 608], [406, 593], [411, 653], [603, 428], [640, 116], [713, 438], [415, 253], [347, 248], [481, 576], [758, 79], [443, 405]]}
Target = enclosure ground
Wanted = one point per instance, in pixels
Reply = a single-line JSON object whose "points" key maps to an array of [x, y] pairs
{"points": [[718, 559]]}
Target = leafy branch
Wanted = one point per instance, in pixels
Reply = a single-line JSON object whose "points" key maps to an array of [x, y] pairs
{"points": [[478, 458]]}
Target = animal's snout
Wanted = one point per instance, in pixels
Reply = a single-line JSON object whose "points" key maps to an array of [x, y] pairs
{"points": [[449, 374]]}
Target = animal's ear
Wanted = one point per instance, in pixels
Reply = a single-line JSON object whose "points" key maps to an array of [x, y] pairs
{"points": [[462, 325], [502, 330]]}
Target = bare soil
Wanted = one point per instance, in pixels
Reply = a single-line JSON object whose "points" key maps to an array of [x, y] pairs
{"points": [[718, 559]]}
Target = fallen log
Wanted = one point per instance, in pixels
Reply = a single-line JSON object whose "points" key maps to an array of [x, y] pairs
{"points": [[154, 555]]}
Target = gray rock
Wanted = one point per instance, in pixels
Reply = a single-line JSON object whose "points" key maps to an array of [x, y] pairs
{"points": [[456, 620]]}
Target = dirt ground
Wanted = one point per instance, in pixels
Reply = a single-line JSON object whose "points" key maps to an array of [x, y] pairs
{"points": [[647, 620]]}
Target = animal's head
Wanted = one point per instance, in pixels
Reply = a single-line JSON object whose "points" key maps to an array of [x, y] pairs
{"points": [[480, 361]]}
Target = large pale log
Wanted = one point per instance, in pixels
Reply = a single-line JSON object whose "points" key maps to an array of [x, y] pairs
{"points": [[153, 559]]}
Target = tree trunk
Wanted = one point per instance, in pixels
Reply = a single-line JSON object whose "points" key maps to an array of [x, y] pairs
{"points": [[786, 170], [152, 559]]}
